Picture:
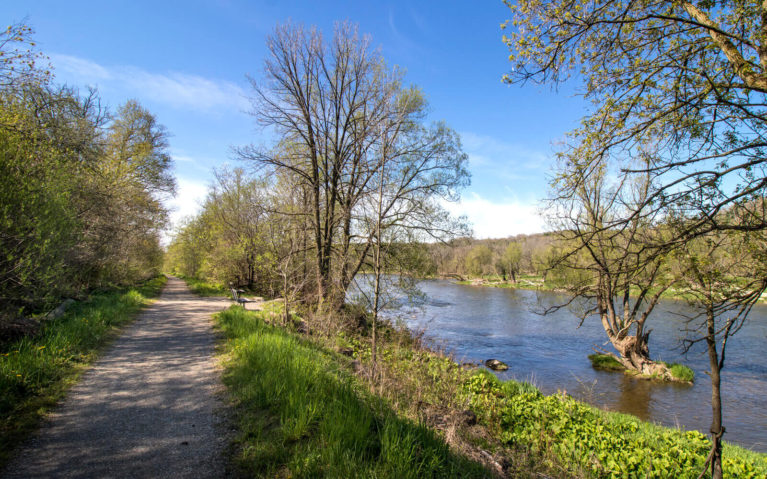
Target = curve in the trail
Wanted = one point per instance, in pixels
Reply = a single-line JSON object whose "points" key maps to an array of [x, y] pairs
{"points": [[148, 408]]}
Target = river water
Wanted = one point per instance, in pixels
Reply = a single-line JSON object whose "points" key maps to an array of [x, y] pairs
{"points": [[476, 323]]}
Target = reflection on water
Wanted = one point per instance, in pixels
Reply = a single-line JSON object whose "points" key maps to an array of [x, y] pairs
{"points": [[478, 323]]}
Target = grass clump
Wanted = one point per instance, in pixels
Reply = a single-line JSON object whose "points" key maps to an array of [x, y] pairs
{"points": [[301, 413], [606, 362], [35, 372], [681, 372]]}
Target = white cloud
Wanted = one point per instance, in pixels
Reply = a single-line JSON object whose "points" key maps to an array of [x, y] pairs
{"points": [[174, 88], [190, 195], [498, 219], [80, 67]]}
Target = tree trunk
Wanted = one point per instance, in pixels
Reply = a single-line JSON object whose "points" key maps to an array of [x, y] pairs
{"points": [[717, 430], [634, 354]]}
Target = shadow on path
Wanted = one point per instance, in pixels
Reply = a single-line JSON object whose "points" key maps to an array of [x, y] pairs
{"points": [[148, 408]]}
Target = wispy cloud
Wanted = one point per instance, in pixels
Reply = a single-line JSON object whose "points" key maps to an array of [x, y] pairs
{"points": [[180, 90], [492, 219], [492, 151], [405, 45]]}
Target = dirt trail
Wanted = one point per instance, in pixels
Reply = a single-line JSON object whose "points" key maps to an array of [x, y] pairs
{"points": [[148, 408]]}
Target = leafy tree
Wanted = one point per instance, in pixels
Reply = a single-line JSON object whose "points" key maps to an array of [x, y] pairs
{"points": [[512, 259], [678, 90], [607, 266], [79, 201], [721, 276], [479, 260], [678, 93]]}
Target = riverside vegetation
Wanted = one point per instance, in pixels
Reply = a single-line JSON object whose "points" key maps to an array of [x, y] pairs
{"points": [[36, 371], [293, 392]]}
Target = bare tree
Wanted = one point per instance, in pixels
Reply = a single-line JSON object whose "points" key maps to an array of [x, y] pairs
{"points": [[333, 106], [717, 272], [609, 271]]}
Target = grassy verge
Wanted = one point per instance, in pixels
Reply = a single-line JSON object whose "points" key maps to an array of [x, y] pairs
{"points": [[301, 413], [35, 372]]}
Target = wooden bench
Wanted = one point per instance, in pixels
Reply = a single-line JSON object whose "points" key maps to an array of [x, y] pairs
{"points": [[237, 297]]}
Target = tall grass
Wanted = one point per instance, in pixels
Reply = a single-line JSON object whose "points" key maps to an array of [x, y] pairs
{"points": [[36, 371], [302, 414]]}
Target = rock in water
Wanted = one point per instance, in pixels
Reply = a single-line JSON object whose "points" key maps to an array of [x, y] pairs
{"points": [[496, 365]]}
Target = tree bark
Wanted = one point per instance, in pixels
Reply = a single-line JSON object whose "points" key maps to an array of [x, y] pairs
{"points": [[717, 430]]}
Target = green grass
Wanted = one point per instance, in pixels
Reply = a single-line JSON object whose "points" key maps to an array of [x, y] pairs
{"points": [[587, 442], [204, 288], [301, 413], [35, 372], [681, 372], [605, 362]]}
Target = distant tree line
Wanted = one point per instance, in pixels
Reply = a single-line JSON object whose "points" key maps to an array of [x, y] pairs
{"points": [[81, 188], [503, 259]]}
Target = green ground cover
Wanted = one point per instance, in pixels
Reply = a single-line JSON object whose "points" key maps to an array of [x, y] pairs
{"points": [[588, 442], [204, 288]]}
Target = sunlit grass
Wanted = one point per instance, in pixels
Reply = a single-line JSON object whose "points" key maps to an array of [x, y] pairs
{"points": [[681, 372], [205, 288], [301, 413], [35, 372]]}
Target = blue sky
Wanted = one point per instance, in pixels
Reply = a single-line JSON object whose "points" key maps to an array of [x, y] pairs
{"points": [[187, 63]]}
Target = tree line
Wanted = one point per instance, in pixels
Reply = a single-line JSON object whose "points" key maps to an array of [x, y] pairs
{"points": [[81, 190]]}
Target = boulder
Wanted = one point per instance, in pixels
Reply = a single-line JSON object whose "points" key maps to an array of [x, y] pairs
{"points": [[60, 309], [496, 365]]}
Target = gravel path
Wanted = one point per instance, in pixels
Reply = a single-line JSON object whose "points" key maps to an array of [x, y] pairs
{"points": [[148, 408]]}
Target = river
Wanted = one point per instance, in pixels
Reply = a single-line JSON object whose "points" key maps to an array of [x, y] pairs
{"points": [[476, 323]]}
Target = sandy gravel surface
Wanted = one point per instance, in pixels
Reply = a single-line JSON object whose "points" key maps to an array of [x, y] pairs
{"points": [[148, 408]]}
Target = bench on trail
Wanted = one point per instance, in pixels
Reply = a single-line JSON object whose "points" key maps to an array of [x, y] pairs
{"points": [[237, 297]]}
